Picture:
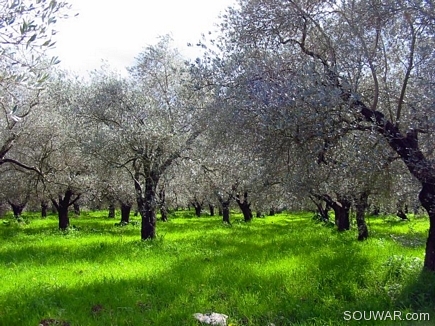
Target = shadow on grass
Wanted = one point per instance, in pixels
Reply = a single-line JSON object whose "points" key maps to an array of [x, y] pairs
{"points": [[419, 294], [410, 234], [232, 283]]}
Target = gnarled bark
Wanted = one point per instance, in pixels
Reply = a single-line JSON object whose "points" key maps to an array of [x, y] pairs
{"points": [[244, 206], [111, 211], [62, 205], [44, 208], [197, 205], [125, 212], [17, 208], [361, 204]]}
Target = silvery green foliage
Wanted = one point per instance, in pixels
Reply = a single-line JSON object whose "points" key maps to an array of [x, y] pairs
{"points": [[279, 70], [26, 32], [144, 122]]}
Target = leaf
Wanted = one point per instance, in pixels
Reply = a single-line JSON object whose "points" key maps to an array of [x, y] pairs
{"points": [[14, 4], [31, 40]]}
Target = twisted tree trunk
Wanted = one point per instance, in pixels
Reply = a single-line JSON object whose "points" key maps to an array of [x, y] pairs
{"points": [[361, 204], [62, 205], [244, 206], [125, 212]]}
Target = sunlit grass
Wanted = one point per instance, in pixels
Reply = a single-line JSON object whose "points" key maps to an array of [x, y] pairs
{"points": [[286, 270]]}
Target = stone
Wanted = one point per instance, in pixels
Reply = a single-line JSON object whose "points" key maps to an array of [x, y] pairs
{"points": [[213, 318]]}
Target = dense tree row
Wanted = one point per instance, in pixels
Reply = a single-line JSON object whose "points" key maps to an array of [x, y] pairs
{"points": [[296, 104]]}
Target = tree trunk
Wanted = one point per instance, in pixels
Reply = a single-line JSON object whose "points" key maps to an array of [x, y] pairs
{"points": [[198, 211], [341, 209], [62, 213], [361, 204], [198, 207], [244, 206], [62, 207], [323, 213], [376, 211], [226, 212], [220, 212], [147, 206], [17, 209], [125, 212], [44, 208], [211, 207], [76, 207], [162, 205], [111, 211], [164, 213], [427, 199]]}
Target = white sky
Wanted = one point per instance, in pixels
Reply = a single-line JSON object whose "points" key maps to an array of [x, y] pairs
{"points": [[117, 31]]}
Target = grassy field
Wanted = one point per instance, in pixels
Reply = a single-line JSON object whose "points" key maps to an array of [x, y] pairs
{"points": [[280, 270]]}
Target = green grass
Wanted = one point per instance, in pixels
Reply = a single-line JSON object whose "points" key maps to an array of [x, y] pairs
{"points": [[285, 270]]}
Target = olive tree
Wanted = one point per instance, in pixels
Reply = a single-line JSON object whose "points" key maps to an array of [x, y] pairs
{"points": [[147, 121]]}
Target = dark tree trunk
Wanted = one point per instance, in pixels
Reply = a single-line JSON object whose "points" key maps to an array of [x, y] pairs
{"points": [[44, 208], [220, 210], [400, 213], [211, 207], [111, 211], [62, 213], [402, 209], [125, 212], [258, 214], [17, 209], [198, 207], [244, 206], [427, 199], [272, 211], [162, 205], [361, 204], [76, 207], [226, 212], [198, 211], [62, 205], [148, 226], [341, 210], [164, 213], [146, 202], [376, 211], [225, 207], [322, 212]]}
